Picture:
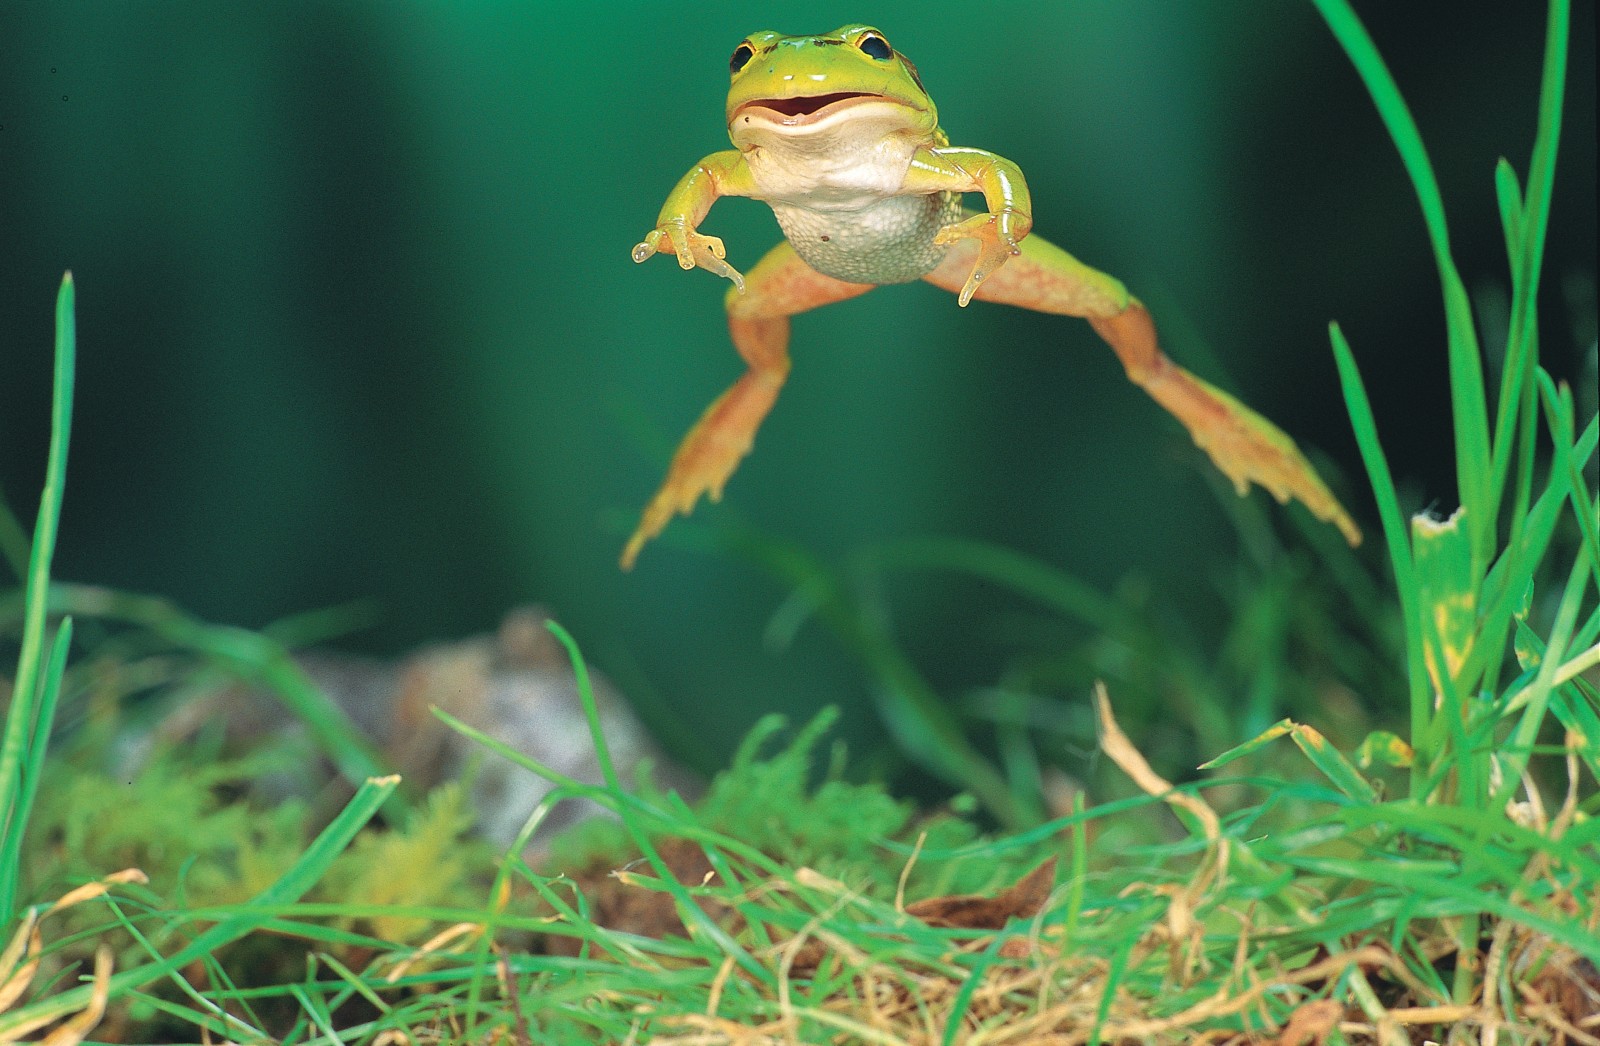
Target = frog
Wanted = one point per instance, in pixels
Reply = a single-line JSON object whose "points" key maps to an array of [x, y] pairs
{"points": [[838, 136]]}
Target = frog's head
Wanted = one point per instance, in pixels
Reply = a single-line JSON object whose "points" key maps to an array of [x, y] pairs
{"points": [[787, 87]]}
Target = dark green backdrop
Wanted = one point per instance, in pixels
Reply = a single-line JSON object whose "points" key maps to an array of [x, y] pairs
{"points": [[357, 316]]}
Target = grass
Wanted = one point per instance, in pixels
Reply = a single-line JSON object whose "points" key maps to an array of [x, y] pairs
{"points": [[1346, 884]]}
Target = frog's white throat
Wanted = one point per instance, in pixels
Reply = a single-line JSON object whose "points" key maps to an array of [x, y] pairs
{"points": [[846, 154]]}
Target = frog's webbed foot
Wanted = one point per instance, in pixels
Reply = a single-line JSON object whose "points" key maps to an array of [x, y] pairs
{"points": [[1249, 448], [691, 247], [1244, 445], [708, 455], [999, 236]]}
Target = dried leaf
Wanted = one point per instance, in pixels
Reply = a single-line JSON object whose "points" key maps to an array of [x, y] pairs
{"points": [[618, 901], [1311, 1023], [1115, 743], [1022, 900], [73, 1030]]}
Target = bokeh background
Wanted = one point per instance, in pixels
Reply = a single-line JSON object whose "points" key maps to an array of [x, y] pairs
{"points": [[357, 317]]}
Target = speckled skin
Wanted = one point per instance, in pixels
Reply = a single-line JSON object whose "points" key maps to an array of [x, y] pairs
{"points": [[889, 241]]}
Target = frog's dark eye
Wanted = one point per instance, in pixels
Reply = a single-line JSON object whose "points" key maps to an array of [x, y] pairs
{"points": [[741, 57], [873, 45]]}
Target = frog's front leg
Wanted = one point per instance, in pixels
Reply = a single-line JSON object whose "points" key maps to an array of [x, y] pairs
{"points": [[999, 232], [1243, 444], [677, 226], [758, 319]]}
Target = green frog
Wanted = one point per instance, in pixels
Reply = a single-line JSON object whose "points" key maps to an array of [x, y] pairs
{"points": [[837, 135]]}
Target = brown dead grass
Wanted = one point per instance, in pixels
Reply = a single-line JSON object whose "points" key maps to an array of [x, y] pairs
{"points": [[19, 964], [1035, 988]]}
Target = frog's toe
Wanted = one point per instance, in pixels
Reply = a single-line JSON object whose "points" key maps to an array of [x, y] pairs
{"points": [[698, 468], [1248, 448]]}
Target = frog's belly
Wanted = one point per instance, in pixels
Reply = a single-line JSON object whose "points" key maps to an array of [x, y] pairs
{"points": [[888, 241]]}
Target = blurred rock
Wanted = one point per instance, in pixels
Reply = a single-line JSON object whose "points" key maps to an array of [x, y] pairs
{"points": [[516, 686]]}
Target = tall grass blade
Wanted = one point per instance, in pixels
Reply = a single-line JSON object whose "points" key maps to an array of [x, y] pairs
{"points": [[39, 743], [1394, 533], [692, 914], [1473, 476], [1559, 411], [1527, 248], [16, 753], [1508, 195]]}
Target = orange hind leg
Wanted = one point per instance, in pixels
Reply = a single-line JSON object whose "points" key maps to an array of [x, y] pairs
{"points": [[758, 319], [1244, 445]]}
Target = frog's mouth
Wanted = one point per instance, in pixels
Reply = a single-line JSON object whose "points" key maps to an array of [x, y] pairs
{"points": [[805, 109]]}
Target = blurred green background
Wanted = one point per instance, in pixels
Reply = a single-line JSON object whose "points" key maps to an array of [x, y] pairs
{"points": [[357, 316]]}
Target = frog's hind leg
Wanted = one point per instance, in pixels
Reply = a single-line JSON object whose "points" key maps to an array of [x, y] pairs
{"points": [[758, 319], [1243, 444]]}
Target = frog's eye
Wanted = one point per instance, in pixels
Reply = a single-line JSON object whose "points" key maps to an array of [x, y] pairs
{"points": [[873, 45], [741, 57]]}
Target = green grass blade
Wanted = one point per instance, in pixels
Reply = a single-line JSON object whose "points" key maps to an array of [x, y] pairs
{"points": [[1514, 428], [956, 1019], [39, 743], [1473, 475], [694, 917], [1559, 412], [1448, 591], [1519, 356], [1508, 195], [1334, 766], [21, 726], [1394, 533], [1510, 577], [1528, 248], [1569, 704], [1522, 465], [1542, 169], [1514, 403], [1533, 700], [1525, 240], [1261, 740]]}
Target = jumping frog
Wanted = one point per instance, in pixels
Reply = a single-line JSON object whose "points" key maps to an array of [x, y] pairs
{"points": [[837, 135]]}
